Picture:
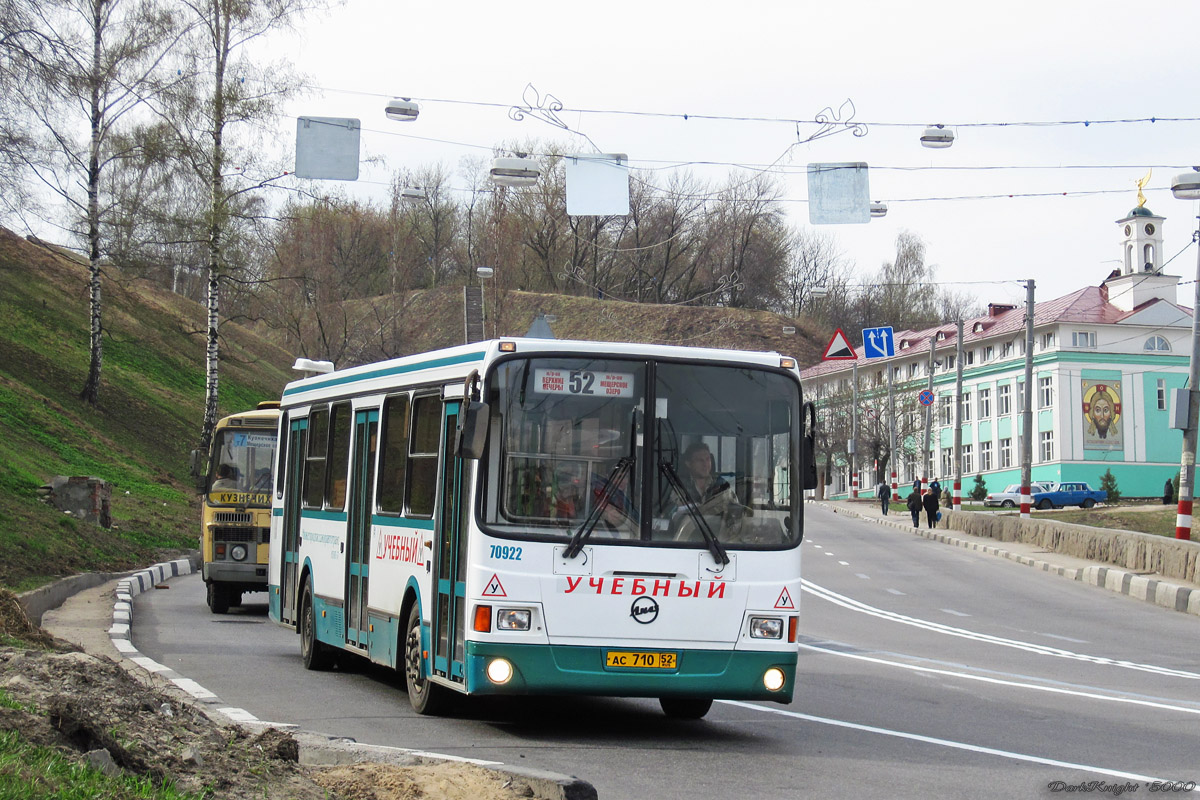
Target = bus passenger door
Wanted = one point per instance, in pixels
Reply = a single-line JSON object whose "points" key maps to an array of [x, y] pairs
{"points": [[293, 488], [451, 531], [366, 427]]}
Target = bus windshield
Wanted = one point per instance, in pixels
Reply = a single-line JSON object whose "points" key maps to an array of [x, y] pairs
{"points": [[240, 473], [642, 452]]}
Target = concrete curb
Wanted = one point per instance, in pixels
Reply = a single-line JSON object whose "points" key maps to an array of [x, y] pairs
{"points": [[315, 749], [1159, 592]]}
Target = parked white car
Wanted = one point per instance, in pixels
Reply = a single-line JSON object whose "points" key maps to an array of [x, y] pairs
{"points": [[1011, 496]]}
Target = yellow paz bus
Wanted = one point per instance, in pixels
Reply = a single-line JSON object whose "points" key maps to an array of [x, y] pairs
{"points": [[235, 478]]}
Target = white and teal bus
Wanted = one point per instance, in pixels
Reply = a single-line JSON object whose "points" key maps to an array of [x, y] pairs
{"points": [[518, 517]]}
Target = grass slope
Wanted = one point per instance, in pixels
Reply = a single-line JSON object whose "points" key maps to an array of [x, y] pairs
{"points": [[138, 438]]}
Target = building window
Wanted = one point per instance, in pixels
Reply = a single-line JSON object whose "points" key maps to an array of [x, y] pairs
{"points": [[945, 407], [1020, 397], [1157, 344], [1083, 338], [1162, 394], [1005, 453], [968, 358], [968, 461], [949, 362], [1006, 350], [985, 456], [947, 461], [1045, 392], [914, 369], [1046, 445], [1047, 340], [966, 407], [985, 403], [989, 352], [1004, 399]]}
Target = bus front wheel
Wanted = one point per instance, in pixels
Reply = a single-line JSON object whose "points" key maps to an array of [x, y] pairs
{"points": [[218, 598], [315, 653], [685, 707], [426, 697]]}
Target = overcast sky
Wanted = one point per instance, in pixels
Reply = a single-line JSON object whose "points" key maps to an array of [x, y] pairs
{"points": [[904, 65]]}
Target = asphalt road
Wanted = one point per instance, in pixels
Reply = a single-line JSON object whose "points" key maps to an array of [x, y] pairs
{"points": [[926, 671]]}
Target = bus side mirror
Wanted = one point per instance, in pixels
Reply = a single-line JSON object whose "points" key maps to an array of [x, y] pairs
{"points": [[472, 430], [808, 448], [199, 474]]}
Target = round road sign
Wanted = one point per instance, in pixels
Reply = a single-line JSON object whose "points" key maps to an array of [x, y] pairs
{"points": [[926, 397]]}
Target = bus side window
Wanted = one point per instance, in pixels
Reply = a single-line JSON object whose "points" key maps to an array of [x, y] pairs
{"points": [[394, 459], [339, 456], [281, 453], [314, 463], [423, 454]]}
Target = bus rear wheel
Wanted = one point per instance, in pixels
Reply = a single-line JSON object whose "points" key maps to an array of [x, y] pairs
{"points": [[425, 696], [315, 654], [685, 707]]}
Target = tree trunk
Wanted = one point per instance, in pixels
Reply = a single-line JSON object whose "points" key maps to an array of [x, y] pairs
{"points": [[91, 387]]}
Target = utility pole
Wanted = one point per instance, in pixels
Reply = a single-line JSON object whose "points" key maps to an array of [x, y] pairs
{"points": [[852, 445], [1187, 469], [929, 418], [958, 419], [892, 431], [1027, 413]]}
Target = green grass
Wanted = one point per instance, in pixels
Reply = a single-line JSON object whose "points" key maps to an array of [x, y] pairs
{"points": [[29, 772], [137, 438]]}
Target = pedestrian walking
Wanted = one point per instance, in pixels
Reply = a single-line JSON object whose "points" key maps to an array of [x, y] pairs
{"points": [[914, 507], [917, 486], [935, 489], [1168, 492], [930, 503], [883, 493]]}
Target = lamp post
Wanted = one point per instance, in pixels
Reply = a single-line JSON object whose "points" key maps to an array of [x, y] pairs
{"points": [[1027, 411], [484, 273], [1187, 187]]}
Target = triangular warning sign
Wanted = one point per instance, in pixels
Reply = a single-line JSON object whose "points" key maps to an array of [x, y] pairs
{"points": [[494, 589], [785, 600], [839, 348]]}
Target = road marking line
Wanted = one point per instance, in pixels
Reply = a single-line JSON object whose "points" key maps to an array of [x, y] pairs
{"points": [[973, 748], [1064, 638], [955, 613], [897, 591], [1037, 687], [937, 627], [844, 563], [862, 575]]}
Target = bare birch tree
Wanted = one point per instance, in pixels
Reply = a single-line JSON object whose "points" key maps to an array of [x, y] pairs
{"points": [[101, 61]]}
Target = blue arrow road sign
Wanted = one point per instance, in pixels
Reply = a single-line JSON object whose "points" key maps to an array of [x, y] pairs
{"points": [[878, 342]]}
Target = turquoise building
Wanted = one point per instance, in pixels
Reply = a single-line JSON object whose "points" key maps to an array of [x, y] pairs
{"points": [[1106, 360]]}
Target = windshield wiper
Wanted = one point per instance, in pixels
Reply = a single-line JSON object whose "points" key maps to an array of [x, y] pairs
{"points": [[710, 538], [620, 470]]}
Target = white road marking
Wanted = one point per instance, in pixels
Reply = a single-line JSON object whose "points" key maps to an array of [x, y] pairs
{"points": [[937, 627], [862, 575], [955, 613], [844, 563], [1064, 638], [1037, 687], [896, 591], [973, 748]]}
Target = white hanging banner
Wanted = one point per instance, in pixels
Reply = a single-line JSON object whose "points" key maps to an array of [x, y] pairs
{"points": [[327, 148], [838, 193], [597, 184]]}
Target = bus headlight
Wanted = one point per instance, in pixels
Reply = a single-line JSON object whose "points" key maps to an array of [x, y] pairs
{"points": [[512, 619], [238, 552], [499, 670], [766, 628], [774, 679]]}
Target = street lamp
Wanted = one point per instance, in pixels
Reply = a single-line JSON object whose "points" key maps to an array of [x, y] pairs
{"points": [[878, 209], [518, 171], [1187, 187], [937, 137], [412, 194], [401, 109]]}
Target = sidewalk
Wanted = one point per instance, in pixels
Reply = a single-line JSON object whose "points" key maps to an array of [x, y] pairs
{"points": [[1150, 587]]}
